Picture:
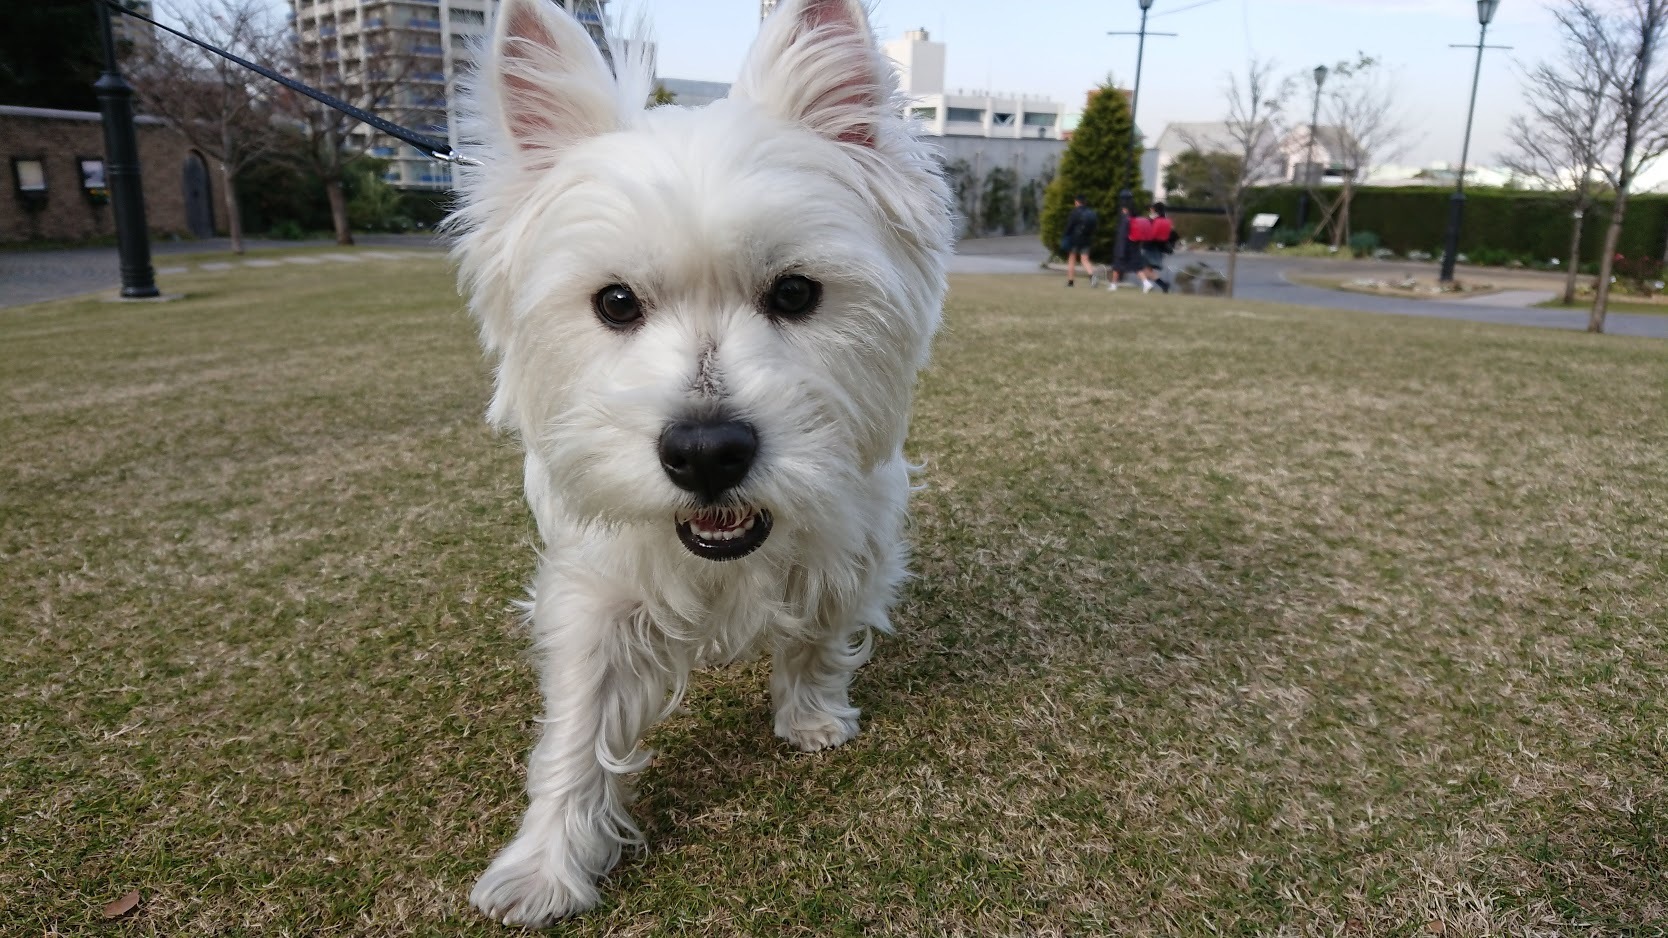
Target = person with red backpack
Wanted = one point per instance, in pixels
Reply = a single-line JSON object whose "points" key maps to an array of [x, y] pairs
{"points": [[1140, 232], [1160, 239]]}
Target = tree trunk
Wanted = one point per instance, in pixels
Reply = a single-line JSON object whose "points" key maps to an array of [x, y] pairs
{"points": [[1573, 269], [1349, 202], [1340, 227], [338, 211], [234, 212], [1607, 263], [1233, 251]]}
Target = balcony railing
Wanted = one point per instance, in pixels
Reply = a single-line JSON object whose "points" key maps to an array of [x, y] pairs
{"points": [[428, 50], [423, 24], [327, 30]]}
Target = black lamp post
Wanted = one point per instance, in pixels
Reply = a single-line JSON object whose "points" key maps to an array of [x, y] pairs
{"points": [[1127, 197], [121, 153], [1309, 154], [1456, 205]]}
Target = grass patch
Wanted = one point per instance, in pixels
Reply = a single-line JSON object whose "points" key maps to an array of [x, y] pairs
{"points": [[1649, 307], [1232, 618]]}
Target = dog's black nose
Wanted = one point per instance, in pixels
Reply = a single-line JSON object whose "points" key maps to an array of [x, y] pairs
{"points": [[708, 458]]}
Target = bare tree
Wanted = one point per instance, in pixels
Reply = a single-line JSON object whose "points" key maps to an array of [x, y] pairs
{"points": [[1251, 137], [216, 105], [1568, 134], [372, 73], [1368, 127], [1631, 38]]}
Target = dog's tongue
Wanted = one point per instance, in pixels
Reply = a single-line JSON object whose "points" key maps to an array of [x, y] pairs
{"points": [[721, 519]]}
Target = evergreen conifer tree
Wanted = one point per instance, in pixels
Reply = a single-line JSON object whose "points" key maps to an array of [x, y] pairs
{"points": [[1096, 166]]}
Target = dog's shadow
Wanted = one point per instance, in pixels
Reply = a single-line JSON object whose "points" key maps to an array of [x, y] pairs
{"points": [[718, 766]]}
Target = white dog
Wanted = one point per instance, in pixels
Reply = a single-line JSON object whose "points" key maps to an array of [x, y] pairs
{"points": [[707, 326]]}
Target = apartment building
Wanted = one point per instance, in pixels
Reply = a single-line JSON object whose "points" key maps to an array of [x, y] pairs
{"points": [[354, 48], [131, 34], [964, 113]]}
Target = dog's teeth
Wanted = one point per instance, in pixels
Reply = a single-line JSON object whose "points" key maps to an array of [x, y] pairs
{"points": [[748, 524]]}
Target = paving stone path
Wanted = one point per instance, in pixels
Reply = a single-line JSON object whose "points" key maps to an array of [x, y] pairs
{"points": [[34, 276]]}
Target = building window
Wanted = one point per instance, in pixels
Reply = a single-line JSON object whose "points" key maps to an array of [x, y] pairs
{"points": [[1040, 119], [924, 113], [971, 115], [466, 16], [1002, 120]]}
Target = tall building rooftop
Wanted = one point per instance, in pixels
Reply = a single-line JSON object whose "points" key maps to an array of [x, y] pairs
{"points": [[400, 58]]}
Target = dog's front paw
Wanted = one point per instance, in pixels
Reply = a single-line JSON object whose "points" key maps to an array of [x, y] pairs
{"points": [[811, 730], [523, 887]]}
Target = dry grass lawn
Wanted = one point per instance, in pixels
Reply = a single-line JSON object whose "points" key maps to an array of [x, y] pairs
{"points": [[1232, 619]]}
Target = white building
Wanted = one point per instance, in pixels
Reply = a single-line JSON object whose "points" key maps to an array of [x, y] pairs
{"points": [[688, 92], [1443, 175], [964, 113], [342, 41], [1205, 137]]}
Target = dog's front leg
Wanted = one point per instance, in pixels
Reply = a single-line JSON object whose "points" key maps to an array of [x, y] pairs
{"points": [[810, 681], [602, 690]]}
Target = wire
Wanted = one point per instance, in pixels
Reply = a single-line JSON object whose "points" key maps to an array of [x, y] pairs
{"points": [[1190, 6]]}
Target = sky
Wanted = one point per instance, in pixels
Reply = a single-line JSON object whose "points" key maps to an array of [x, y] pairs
{"points": [[1059, 48]]}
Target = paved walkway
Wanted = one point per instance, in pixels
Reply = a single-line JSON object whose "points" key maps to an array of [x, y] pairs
{"points": [[1266, 278], [34, 276]]}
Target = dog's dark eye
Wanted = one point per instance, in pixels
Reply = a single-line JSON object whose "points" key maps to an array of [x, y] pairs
{"points": [[617, 305], [793, 295]]}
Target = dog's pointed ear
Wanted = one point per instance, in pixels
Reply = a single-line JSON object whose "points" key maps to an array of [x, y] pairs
{"points": [[553, 86], [817, 63]]}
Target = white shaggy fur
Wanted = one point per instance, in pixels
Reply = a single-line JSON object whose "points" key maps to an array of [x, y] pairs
{"points": [[807, 169]]}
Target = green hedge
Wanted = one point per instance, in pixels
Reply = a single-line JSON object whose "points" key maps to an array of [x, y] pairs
{"points": [[1211, 226], [1536, 224]]}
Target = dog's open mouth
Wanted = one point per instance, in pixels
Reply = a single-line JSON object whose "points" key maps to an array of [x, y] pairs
{"points": [[723, 533]]}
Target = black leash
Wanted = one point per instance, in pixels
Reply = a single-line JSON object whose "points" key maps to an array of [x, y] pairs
{"points": [[436, 149]]}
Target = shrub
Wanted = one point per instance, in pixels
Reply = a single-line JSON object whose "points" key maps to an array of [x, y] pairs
{"points": [[1527, 224], [287, 230], [1363, 243], [1642, 276], [1192, 226]]}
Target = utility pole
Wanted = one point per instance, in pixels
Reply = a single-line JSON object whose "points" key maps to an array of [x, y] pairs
{"points": [[1126, 197], [121, 153], [1309, 179]]}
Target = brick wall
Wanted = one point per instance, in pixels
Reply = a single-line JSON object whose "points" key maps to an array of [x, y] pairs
{"points": [[60, 139]]}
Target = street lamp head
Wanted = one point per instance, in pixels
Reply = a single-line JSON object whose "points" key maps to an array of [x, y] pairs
{"points": [[1485, 10], [1148, 4], [1320, 75]]}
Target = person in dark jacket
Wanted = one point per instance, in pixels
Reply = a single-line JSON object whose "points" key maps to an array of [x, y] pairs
{"points": [[1123, 264], [1080, 234]]}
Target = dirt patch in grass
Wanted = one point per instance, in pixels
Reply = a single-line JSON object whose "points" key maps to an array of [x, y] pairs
{"points": [[1408, 288], [1231, 618]]}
